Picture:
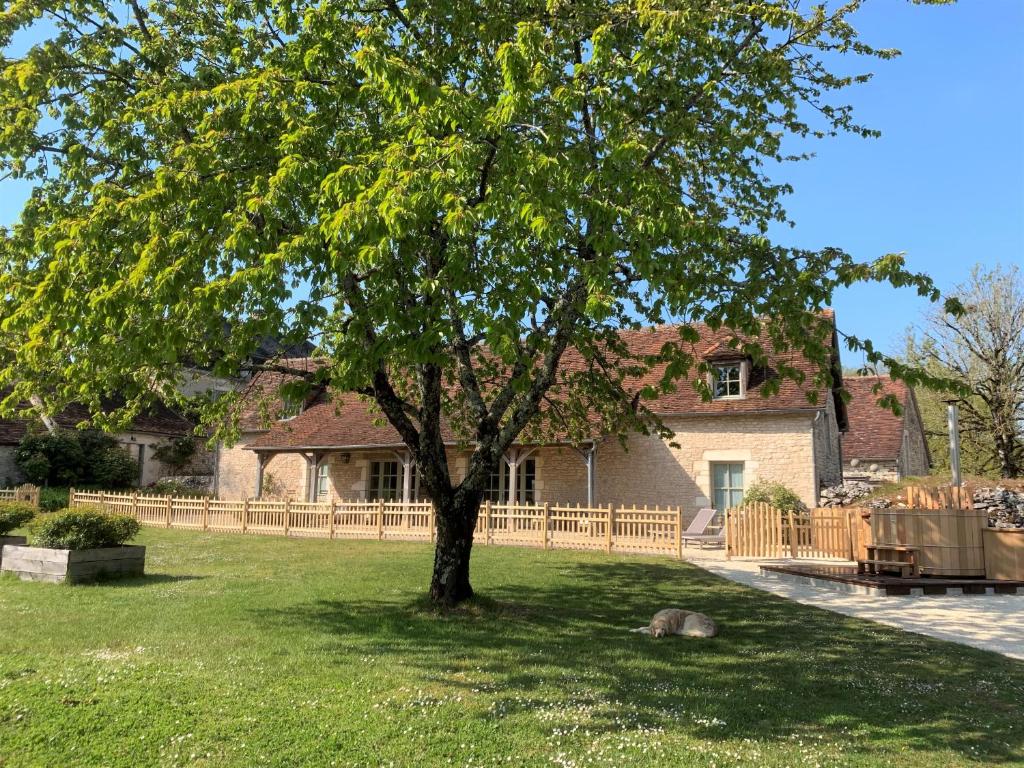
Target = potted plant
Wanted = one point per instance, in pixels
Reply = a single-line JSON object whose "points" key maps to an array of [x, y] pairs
{"points": [[75, 546], [13, 514]]}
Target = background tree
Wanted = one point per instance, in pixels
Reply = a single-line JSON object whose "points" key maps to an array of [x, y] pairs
{"points": [[982, 350], [446, 195]]}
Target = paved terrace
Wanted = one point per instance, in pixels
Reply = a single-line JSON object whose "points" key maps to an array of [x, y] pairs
{"points": [[990, 622]]}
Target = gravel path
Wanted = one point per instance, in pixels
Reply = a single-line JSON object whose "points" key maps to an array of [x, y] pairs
{"points": [[991, 622]]}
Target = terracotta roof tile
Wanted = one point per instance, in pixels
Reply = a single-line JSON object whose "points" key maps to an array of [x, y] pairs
{"points": [[875, 432], [346, 420], [157, 420]]}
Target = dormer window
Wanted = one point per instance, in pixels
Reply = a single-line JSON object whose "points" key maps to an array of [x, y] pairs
{"points": [[291, 406], [729, 380]]}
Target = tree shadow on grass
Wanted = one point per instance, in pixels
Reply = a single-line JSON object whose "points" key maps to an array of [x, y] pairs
{"points": [[777, 668]]}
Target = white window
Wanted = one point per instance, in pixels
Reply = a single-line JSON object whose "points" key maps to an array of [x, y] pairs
{"points": [[500, 483], [728, 380], [323, 479], [291, 406], [385, 481]]}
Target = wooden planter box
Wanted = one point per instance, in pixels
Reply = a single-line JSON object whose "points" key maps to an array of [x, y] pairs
{"points": [[72, 565], [14, 541], [1004, 553], [948, 540]]}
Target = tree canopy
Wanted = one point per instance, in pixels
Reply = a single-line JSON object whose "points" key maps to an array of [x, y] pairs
{"points": [[982, 351], [445, 195]]}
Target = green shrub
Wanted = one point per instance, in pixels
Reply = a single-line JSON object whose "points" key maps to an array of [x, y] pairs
{"points": [[776, 494], [176, 453], [114, 468], [75, 457], [51, 458], [14, 514], [53, 499], [83, 528], [172, 488]]}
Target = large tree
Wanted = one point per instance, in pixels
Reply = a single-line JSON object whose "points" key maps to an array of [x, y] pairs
{"points": [[446, 195], [981, 350]]}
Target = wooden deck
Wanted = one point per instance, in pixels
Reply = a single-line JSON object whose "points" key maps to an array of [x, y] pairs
{"points": [[842, 576]]}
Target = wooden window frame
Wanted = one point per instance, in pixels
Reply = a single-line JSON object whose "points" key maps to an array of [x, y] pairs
{"points": [[742, 368]]}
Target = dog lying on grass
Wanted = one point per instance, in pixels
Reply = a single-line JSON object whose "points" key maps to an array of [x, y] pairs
{"points": [[676, 621]]}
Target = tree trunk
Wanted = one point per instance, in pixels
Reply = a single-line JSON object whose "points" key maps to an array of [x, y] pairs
{"points": [[456, 521], [1006, 454]]}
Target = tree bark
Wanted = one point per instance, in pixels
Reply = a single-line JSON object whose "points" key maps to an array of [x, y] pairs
{"points": [[456, 522], [1006, 453]]}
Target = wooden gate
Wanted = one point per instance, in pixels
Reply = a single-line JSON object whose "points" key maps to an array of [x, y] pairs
{"points": [[759, 530]]}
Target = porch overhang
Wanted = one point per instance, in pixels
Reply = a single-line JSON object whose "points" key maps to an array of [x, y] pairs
{"points": [[315, 454]]}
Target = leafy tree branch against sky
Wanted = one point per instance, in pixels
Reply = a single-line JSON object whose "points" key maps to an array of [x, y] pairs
{"points": [[960, 77], [449, 197]]}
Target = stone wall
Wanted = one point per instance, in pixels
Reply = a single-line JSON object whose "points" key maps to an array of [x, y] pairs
{"points": [[882, 472], [153, 470], [236, 469], [827, 447], [10, 475], [648, 471], [652, 471], [561, 476], [913, 460]]}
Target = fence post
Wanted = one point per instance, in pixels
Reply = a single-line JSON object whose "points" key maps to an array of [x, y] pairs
{"points": [[730, 534], [679, 533], [169, 501], [487, 522], [103, 501], [850, 534], [330, 527], [547, 520], [245, 514], [287, 515], [72, 503], [206, 513], [793, 550], [608, 529], [135, 505], [380, 520]]}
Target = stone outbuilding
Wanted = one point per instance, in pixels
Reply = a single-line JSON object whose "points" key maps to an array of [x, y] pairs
{"points": [[879, 445], [150, 429]]}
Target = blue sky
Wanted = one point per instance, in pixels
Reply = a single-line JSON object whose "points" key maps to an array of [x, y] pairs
{"points": [[944, 183]]}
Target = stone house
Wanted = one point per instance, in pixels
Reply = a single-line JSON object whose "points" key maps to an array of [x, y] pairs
{"points": [[150, 429], [335, 446], [880, 446]]}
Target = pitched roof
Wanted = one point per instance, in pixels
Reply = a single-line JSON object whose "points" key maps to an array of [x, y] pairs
{"points": [[341, 420], [344, 420], [157, 420], [713, 346], [875, 432]]}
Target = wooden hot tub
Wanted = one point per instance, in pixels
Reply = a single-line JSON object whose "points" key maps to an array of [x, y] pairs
{"points": [[949, 541], [1004, 553]]}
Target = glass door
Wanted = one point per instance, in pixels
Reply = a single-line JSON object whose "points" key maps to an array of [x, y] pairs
{"points": [[727, 485]]}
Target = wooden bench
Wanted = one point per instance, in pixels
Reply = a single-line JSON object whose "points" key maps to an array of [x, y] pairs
{"points": [[890, 557]]}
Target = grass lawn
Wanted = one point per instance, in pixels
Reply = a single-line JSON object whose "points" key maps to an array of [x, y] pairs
{"points": [[246, 650]]}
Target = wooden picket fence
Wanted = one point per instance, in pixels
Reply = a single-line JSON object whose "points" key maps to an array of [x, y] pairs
{"points": [[939, 498], [633, 529], [762, 531], [28, 493]]}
